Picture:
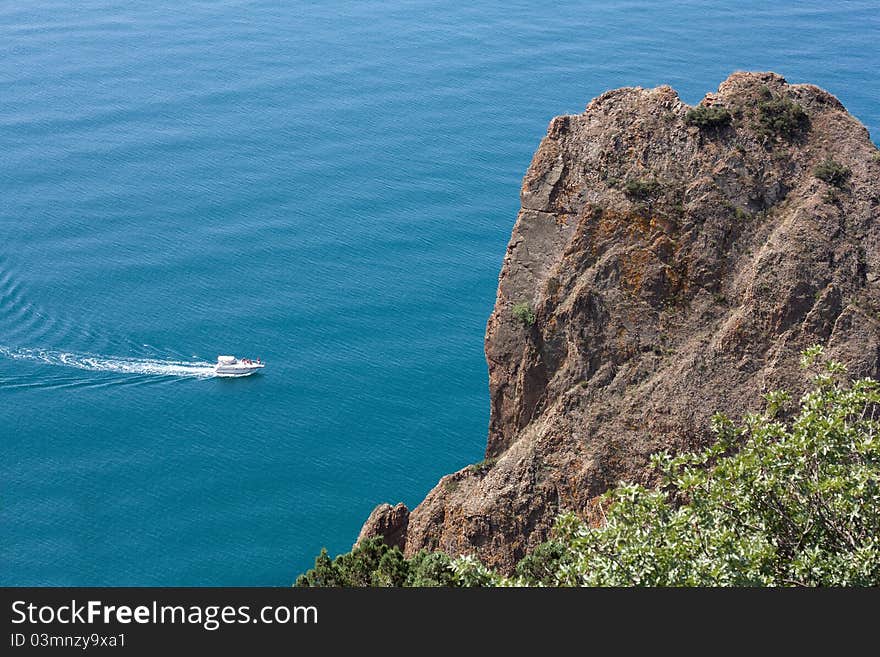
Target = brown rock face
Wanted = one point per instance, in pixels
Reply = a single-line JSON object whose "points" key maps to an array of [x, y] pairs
{"points": [[388, 522], [674, 270]]}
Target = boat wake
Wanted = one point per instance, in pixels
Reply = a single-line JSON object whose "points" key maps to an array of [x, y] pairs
{"points": [[119, 365], [25, 322]]}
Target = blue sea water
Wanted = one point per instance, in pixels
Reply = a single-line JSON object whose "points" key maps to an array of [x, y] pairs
{"points": [[329, 186]]}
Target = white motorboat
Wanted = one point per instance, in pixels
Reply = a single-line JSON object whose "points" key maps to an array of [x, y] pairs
{"points": [[232, 366]]}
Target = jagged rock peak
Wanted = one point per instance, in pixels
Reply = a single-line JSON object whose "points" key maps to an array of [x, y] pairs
{"points": [[389, 523]]}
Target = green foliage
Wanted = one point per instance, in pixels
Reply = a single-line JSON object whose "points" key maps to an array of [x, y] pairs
{"points": [[324, 574], [523, 313], [781, 117], [393, 569], [834, 173], [430, 569], [771, 503], [539, 568], [777, 400], [371, 563], [641, 189], [468, 571], [740, 214], [708, 117], [811, 355], [875, 156], [485, 464]]}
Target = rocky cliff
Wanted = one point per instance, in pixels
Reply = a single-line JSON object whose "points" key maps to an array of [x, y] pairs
{"points": [[668, 262]]}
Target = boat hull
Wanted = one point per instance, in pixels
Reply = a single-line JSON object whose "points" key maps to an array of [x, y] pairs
{"points": [[237, 370]]}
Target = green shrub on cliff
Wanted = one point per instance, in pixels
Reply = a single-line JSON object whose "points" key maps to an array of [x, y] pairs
{"points": [[540, 567], [642, 189], [781, 117], [430, 569], [373, 564], [357, 568], [523, 313], [708, 117], [832, 172]]}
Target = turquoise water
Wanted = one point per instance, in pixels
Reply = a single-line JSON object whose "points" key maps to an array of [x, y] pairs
{"points": [[327, 185]]}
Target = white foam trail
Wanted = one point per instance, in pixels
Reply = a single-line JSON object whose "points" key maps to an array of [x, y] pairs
{"points": [[120, 365]]}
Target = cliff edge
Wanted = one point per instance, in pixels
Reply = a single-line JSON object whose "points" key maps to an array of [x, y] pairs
{"points": [[667, 263]]}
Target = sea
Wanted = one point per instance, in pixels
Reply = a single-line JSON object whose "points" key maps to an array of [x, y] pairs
{"points": [[328, 186]]}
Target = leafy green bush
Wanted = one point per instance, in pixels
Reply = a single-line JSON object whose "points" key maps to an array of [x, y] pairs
{"points": [[523, 313], [782, 117], [772, 503], [430, 569], [832, 172], [373, 564], [708, 117], [641, 189], [356, 568], [540, 567]]}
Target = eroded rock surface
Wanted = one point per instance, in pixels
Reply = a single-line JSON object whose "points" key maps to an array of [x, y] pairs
{"points": [[673, 271], [388, 522]]}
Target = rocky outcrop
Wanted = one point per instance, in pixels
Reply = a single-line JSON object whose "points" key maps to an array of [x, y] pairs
{"points": [[661, 269], [387, 522]]}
